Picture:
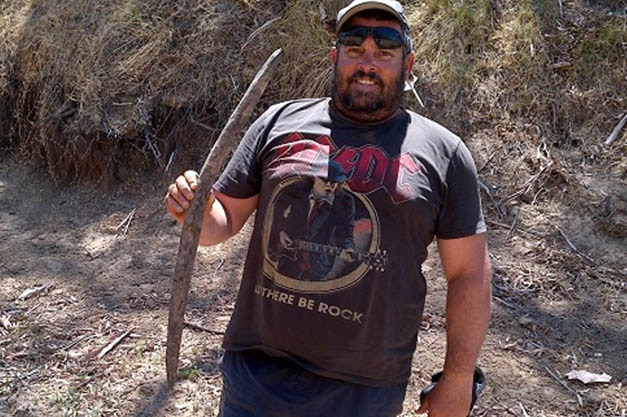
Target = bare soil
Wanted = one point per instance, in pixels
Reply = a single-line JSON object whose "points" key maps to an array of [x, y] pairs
{"points": [[105, 263]]}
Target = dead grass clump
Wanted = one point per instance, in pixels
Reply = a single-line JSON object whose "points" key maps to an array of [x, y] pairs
{"points": [[451, 42], [12, 14], [495, 62], [102, 75], [302, 31]]}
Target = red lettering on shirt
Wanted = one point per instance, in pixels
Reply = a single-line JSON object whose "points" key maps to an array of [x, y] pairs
{"points": [[367, 168]]}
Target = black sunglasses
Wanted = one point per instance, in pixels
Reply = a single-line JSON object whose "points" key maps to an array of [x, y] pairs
{"points": [[385, 38]]}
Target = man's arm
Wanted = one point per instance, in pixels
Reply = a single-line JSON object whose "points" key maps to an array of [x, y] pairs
{"points": [[223, 216], [467, 268]]}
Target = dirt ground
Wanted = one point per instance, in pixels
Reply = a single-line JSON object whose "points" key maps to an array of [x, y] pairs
{"points": [[104, 264]]}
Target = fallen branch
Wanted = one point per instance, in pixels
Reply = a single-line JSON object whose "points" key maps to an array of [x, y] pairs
{"points": [[565, 385], [614, 135], [99, 353], [89, 380], [577, 251], [486, 189], [527, 186], [33, 292], [195, 326], [126, 223]]}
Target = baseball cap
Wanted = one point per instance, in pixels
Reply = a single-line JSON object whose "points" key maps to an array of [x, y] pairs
{"points": [[391, 6], [336, 172]]}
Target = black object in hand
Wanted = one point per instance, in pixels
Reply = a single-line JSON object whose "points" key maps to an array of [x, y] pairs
{"points": [[478, 384]]}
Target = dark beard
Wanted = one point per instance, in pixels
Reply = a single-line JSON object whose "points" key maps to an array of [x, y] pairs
{"points": [[368, 108]]}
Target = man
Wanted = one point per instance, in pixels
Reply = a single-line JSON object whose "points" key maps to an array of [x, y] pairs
{"points": [[312, 230], [342, 346]]}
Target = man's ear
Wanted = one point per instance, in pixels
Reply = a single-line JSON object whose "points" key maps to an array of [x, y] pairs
{"points": [[334, 55], [409, 64]]}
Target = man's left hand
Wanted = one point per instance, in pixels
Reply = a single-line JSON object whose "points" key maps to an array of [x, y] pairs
{"points": [[451, 397]]}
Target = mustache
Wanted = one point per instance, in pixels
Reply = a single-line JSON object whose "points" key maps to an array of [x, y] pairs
{"points": [[362, 74]]}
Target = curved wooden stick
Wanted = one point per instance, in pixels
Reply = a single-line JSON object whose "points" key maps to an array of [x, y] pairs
{"points": [[190, 234], [614, 135]]}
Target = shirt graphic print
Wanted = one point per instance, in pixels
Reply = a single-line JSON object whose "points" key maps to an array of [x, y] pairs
{"points": [[320, 236]]}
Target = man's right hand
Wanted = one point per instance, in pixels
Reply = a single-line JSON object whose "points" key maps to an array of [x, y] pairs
{"points": [[180, 194], [217, 225]]}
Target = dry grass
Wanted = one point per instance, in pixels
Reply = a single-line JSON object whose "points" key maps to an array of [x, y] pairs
{"points": [[93, 87], [497, 61]]}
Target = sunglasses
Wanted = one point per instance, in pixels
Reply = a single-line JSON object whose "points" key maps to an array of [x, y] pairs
{"points": [[385, 38]]}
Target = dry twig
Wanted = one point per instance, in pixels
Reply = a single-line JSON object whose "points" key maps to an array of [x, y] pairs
{"points": [[33, 292], [486, 189], [527, 186], [75, 342], [203, 125], [170, 161], [614, 135], [89, 380], [6, 268], [510, 227], [126, 223], [500, 300], [99, 353], [565, 385], [577, 251], [514, 224], [257, 31], [195, 326], [5, 321]]}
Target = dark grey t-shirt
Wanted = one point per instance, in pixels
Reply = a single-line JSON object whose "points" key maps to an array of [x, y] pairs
{"points": [[333, 274]]}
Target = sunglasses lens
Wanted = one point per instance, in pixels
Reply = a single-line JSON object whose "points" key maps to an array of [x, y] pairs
{"points": [[353, 37], [385, 38]]}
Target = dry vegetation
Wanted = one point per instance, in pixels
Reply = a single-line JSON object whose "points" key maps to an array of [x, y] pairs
{"points": [[122, 95]]}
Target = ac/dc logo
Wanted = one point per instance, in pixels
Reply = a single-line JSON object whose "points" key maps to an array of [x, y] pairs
{"points": [[368, 168]]}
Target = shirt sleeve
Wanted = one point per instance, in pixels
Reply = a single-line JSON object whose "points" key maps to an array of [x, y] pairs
{"points": [[242, 176], [461, 213]]}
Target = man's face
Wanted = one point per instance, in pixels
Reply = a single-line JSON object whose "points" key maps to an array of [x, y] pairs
{"points": [[324, 190], [368, 81]]}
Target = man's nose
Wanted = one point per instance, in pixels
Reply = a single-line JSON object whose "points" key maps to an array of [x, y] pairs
{"points": [[370, 44], [367, 58]]}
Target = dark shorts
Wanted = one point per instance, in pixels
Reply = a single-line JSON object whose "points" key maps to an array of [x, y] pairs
{"points": [[258, 385]]}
